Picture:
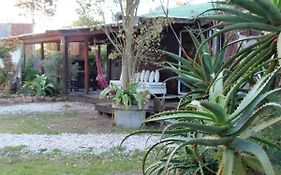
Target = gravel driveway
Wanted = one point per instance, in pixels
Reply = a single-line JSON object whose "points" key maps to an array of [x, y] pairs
{"points": [[67, 143], [46, 107], [73, 143]]}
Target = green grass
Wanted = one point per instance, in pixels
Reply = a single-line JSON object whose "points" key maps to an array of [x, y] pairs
{"points": [[34, 123], [58, 122], [12, 162]]}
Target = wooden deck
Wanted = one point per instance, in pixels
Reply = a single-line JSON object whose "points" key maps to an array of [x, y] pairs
{"points": [[104, 105]]}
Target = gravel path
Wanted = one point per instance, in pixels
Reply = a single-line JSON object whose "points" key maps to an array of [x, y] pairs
{"points": [[74, 143], [67, 143], [46, 107]]}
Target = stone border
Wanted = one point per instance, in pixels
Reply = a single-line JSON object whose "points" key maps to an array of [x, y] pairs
{"points": [[13, 99]]}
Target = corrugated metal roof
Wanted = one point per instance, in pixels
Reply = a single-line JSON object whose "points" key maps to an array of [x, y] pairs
{"points": [[188, 11]]}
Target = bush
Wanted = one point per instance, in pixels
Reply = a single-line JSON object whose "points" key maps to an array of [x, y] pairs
{"points": [[28, 72], [40, 86], [3, 76]]}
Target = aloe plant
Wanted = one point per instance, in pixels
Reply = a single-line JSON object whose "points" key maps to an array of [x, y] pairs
{"points": [[217, 126], [196, 73], [260, 15]]}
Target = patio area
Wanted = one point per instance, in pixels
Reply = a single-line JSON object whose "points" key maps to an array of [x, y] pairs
{"points": [[103, 106]]}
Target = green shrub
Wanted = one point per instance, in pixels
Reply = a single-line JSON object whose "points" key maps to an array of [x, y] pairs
{"points": [[125, 96], [40, 86], [3, 76], [28, 72]]}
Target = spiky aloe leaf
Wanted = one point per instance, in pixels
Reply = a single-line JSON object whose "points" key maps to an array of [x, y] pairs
{"points": [[217, 110], [236, 58], [253, 148], [208, 129], [228, 160], [261, 54], [182, 116], [253, 93], [245, 16], [272, 11], [182, 112], [251, 6], [279, 47], [248, 116], [216, 89], [186, 62], [203, 141], [225, 18], [185, 75]]}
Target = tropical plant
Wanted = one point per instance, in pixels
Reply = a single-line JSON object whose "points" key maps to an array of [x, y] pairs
{"points": [[125, 96], [226, 122], [40, 86]]}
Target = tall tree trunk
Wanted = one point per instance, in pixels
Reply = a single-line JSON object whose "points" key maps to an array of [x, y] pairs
{"points": [[128, 27]]}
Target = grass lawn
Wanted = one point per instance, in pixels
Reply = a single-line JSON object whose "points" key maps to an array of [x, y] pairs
{"points": [[55, 123], [14, 162], [18, 161]]}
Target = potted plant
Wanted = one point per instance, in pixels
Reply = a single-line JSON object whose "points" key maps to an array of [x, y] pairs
{"points": [[129, 104]]}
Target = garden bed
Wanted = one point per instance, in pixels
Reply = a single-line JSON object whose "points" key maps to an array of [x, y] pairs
{"points": [[13, 99]]}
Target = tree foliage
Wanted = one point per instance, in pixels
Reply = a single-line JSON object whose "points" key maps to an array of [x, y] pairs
{"points": [[87, 13], [33, 8]]}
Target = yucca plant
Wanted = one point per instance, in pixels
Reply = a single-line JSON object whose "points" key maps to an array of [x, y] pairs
{"points": [[216, 126]]}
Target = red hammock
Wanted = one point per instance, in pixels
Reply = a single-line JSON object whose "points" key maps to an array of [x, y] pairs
{"points": [[101, 80]]}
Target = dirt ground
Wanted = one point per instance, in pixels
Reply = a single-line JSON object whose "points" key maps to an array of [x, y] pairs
{"points": [[85, 122]]}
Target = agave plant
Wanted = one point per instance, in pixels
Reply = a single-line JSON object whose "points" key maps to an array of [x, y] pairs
{"points": [[217, 127]]}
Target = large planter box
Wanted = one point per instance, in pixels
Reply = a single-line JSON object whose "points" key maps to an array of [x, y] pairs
{"points": [[132, 117]]}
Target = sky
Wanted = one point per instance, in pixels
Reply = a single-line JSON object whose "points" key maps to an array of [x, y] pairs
{"points": [[66, 13]]}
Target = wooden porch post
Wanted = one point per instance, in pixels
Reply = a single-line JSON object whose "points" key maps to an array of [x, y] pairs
{"points": [[58, 46], [86, 65], [23, 54], [42, 58], [65, 64]]}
